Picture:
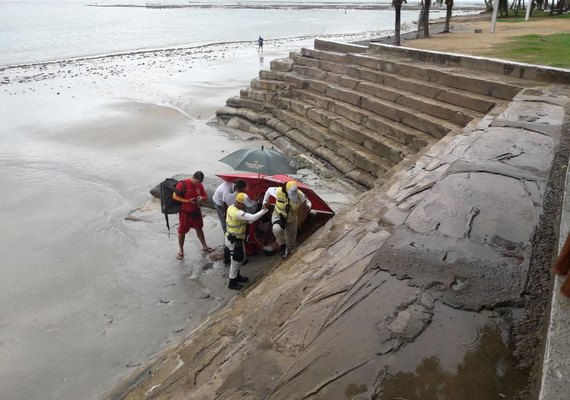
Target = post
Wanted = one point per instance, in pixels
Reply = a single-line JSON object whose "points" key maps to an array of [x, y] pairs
{"points": [[529, 7], [494, 17]]}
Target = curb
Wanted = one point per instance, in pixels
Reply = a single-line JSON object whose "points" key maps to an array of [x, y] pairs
{"points": [[555, 384]]}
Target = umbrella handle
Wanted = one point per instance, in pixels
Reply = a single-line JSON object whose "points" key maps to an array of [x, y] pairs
{"points": [[258, 176]]}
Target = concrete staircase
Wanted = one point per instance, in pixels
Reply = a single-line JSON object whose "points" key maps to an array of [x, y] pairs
{"points": [[362, 109]]}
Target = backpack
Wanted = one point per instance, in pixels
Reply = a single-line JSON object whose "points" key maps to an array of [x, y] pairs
{"points": [[167, 204]]}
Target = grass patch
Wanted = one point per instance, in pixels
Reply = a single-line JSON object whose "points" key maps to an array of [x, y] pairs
{"points": [[537, 14], [553, 50]]}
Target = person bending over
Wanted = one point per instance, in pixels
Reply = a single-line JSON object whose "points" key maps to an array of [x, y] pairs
{"points": [[288, 201], [190, 215]]}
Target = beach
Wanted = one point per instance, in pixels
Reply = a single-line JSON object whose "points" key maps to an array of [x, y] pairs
{"points": [[91, 286], [92, 119]]}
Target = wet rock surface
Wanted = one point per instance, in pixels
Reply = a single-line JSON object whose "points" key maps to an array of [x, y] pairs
{"points": [[430, 287]]}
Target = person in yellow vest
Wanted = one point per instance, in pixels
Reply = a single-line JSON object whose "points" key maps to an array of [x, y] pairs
{"points": [[236, 227], [289, 201]]}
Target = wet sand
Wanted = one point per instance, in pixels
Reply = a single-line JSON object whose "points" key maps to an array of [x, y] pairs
{"points": [[87, 294]]}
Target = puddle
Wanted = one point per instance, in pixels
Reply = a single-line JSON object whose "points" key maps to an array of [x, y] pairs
{"points": [[461, 355]]}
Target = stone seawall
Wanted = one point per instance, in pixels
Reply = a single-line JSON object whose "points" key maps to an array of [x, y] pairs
{"points": [[428, 283]]}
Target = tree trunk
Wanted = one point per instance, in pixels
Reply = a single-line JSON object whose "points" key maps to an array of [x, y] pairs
{"points": [[449, 4], [423, 20], [398, 7], [517, 7], [504, 6]]}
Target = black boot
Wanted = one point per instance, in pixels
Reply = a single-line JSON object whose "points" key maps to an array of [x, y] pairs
{"points": [[284, 251], [242, 279], [234, 284]]}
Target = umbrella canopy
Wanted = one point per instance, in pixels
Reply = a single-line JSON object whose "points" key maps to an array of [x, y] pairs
{"points": [[261, 161], [259, 184]]}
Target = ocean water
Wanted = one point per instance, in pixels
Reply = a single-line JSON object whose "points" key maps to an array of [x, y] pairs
{"points": [[44, 30]]}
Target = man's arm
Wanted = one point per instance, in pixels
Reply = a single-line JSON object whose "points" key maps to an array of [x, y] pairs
{"points": [[249, 218], [182, 199], [270, 192]]}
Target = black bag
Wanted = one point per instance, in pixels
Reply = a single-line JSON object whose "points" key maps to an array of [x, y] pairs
{"points": [[167, 204]]}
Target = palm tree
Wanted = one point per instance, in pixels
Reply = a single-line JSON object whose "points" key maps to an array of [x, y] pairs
{"points": [[423, 20], [449, 4], [398, 6]]}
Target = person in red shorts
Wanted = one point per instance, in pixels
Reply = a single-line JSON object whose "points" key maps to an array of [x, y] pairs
{"points": [[190, 215]]}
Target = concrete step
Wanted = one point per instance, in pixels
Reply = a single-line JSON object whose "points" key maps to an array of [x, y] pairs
{"points": [[251, 115], [468, 100], [355, 153], [269, 85], [452, 95], [471, 80], [340, 163], [380, 145], [456, 114], [405, 135], [316, 147], [241, 102], [329, 66], [339, 58], [271, 75], [434, 126], [264, 96], [454, 78]]}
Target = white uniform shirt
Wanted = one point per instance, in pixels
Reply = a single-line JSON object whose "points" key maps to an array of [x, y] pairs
{"points": [[221, 192], [230, 198]]}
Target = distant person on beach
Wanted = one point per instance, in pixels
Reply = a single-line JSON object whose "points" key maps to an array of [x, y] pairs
{"points": [[562, 266], [190, 215], [225, 196], [236, 228], [260, 44], [284, 220]]}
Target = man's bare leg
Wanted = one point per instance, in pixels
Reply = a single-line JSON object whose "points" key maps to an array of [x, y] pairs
{"points": [[181, 237], [202, 239]]}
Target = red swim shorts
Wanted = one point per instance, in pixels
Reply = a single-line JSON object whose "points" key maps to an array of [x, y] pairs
{"points": [[187, 221]]}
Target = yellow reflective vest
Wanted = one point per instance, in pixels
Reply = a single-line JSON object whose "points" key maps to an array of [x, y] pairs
{"points": [[234, 226], [281, 201]]}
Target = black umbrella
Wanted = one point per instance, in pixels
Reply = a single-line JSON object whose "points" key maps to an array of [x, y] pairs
{"points": [[262, 161]]}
